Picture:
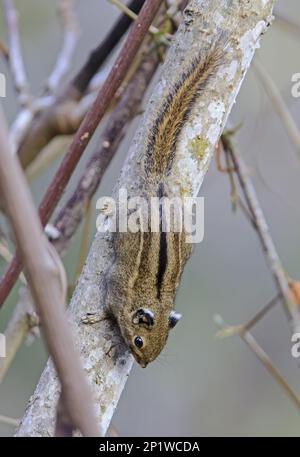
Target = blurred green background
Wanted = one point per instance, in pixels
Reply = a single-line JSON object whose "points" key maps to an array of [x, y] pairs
{"points": [[199, 386]]}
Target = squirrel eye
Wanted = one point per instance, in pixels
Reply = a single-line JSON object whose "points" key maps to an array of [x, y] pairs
{"points": [[138, 342]]}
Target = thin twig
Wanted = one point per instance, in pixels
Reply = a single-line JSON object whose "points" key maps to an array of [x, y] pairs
{"points": [[23, 321], [15, 54], [45, 159], [248, 338], [239, 329], [279, 104], [124, 9], [71, 32], [86, 130], [262, 228], [252, 322], [46, 281], [8, 256], [99, 55]]}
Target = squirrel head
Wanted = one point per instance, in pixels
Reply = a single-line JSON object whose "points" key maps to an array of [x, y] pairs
{"points": [[146, 332]]}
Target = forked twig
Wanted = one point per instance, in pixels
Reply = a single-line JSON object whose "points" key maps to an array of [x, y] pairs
{"points": [[263, 232], [249, 339]]}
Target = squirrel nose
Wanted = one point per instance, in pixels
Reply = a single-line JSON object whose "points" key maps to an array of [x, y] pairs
{"points": [[144, 364]]}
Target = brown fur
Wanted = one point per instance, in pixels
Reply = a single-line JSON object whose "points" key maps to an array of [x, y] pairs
{"points": [[176, 108], [148, 266]]}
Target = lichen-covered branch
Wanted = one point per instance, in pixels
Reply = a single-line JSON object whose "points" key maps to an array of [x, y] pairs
{"points": [[106, 360]]}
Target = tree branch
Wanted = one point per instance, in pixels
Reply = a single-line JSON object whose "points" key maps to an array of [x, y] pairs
{"points": [[70, 30], [260, 223], [46, 280], [15, 54], [263, 357], [23, 320], [100, 54], [279, 105]]}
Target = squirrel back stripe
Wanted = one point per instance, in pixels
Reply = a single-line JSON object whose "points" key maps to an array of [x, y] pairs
{"points": [[175, 110]]}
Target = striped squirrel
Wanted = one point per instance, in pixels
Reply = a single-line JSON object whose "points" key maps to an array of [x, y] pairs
{"points": [[144, 277]]}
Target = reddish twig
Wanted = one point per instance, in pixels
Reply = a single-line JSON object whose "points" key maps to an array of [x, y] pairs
{"points": [[87, 128], [101, 52]]}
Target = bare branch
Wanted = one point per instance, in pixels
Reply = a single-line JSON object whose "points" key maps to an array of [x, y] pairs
{"points": [[242, 328], [44, 273], [263, 357], [269, 249], [54, 150], [71, 31], [98, 56], [131, 14], [279, 104], [15, 54], [23, 321]]}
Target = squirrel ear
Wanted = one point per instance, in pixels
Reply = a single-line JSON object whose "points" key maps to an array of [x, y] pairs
{"points": [[174, 318], [143, 316]]}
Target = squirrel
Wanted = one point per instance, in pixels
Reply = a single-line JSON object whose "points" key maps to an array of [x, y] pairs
{"points": [[143, 280]]}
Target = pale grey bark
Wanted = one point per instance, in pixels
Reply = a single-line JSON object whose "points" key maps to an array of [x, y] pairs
{"points": [[243, 23]]}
